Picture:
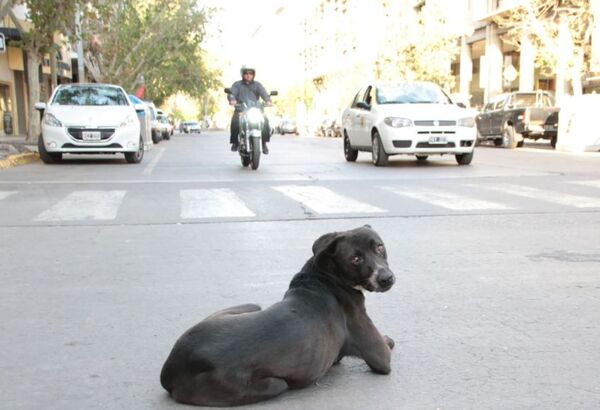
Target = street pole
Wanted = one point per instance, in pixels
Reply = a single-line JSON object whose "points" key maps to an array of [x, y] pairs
{"points": [[80, 70]]}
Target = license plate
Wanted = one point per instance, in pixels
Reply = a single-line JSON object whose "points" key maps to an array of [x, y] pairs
{"points": [[91, 135], [437, 139]]}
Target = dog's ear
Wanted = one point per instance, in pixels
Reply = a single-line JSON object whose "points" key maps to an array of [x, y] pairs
{"points": [[323, 250]]}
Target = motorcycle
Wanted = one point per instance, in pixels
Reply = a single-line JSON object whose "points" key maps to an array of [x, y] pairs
{"points": [[252, 121]]}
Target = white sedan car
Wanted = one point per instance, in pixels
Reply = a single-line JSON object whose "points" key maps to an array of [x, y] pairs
{"points": [[89, 118], [414, 118]]}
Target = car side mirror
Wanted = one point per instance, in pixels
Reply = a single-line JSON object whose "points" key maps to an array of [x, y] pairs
{"points": [[40, 106], [363, 105], [139, 107], [274, 93], [227, 90], [461, 105]]}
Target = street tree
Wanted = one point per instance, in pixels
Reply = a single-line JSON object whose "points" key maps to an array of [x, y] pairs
{"points": [[561, 32], [159, 40]]}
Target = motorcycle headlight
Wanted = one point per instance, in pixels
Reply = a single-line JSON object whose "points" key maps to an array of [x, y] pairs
{"points": [[466, 122], [51, 120], [254, 115], [128, 121], [397, 122]]}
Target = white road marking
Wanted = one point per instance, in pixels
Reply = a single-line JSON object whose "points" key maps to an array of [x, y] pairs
{"points": [[446, 199], [593, 184], [212, 203], [150, 167], [85, 205], [561, 198], [325, 201], [6, 194]]}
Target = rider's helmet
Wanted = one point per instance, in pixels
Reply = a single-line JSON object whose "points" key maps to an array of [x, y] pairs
{"points": [[245, 68]]}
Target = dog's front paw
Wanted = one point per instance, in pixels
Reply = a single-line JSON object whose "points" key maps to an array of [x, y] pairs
{"points": [[389, 341]]}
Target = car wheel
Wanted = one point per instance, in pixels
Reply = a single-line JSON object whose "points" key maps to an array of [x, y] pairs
{"points": [[166, 136], [156, 137], [422, 158], [509, 137], [47, 157], [498, 142], [520, 144], [380, 158], [136, 157], [349, 153], [553, 141], [464, 159]]}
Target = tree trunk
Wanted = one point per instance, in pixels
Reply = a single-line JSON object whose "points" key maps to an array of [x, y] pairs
{"points": [[33, 84], [53, 70]]}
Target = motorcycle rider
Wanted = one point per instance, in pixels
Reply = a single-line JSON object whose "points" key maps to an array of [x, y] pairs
{"points": [[243, 91]]}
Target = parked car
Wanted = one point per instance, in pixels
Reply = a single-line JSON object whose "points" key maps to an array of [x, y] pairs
{"points": [[288, 127], [190, 126], [143, 113], [89, 118], [155, 123], [323, 129], [164, 126], [510, 118], [335, 130], [413, 118]]}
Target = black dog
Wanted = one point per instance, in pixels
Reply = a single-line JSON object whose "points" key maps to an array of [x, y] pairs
{"points": [[243, 355]]}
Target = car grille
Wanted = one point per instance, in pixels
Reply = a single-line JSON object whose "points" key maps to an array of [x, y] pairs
{"points": [[428, 145], [432, 123], [436, 132], [76, 132]]}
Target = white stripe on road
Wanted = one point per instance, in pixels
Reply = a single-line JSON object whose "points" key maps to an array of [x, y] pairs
{"points": [[6, 194], [593, 184], [325, 201], [85, 205], [150, 167], [561, 198], [446, 199], [212, 203]]}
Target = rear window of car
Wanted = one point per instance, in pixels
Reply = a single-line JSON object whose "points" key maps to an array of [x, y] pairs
{"points": [[90, 95], [411, 93]]}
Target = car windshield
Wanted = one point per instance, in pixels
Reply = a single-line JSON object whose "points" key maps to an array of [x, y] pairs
{"points": [[411, 93], [192, 124], [90, 95], [531, 100]]}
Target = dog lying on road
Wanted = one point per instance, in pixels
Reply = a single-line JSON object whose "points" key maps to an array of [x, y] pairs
{"points": [[244, 354]]}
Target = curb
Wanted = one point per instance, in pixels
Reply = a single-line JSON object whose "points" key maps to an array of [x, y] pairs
{"points": [[18, 159]]}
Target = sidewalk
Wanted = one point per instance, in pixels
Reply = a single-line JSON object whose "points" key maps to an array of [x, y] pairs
{"points": [[15, 151]]}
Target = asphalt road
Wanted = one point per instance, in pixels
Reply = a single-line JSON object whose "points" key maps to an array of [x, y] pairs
{"points": [[496, 305]]}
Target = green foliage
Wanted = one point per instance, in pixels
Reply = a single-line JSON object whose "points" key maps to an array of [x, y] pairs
{"points": [[157, 39]]}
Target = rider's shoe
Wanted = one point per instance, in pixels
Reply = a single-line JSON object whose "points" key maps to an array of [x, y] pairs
{"points": [[265, 149], [235, 146]]}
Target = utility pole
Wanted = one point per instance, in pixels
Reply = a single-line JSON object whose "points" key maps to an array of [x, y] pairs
{"points": [[80, 70]]}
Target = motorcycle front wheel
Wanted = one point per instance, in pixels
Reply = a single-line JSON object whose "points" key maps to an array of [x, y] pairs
{"points": [[256, 145]]}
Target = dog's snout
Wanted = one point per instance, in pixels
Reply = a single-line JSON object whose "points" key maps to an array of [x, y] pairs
{"points": [[385, 278]]}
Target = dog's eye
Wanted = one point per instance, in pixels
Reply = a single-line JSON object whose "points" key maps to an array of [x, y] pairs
{"points": [[356, 260], [380, 249]]}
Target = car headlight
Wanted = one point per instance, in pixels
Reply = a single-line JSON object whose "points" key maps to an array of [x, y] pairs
{"points": [[397, 122], [128, 121], [51, 120], [254, 115], [466, 122]]}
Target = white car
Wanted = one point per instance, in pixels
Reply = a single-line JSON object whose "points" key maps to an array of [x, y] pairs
{"points": [[88, 119], [414, 118]]}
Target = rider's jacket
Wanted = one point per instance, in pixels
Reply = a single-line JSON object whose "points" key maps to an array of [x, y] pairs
{"points": [[246, 92]]}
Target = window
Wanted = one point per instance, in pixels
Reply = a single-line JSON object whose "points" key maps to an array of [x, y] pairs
{"points": [[90, 95], [358, 97], [412, 93]]}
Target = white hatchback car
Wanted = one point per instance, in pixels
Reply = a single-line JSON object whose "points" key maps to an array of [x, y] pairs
{"points": [[414, 118], [89, 118]]}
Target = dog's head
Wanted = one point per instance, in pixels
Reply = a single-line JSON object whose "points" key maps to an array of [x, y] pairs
{"points": [[358, 257]]}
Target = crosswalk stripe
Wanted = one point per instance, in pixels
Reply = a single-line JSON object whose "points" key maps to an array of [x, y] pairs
{"points": [[85, 205], [593, 184], [446, 199], [6, 194], [212, 203], [561, 198], [325, 201]]}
